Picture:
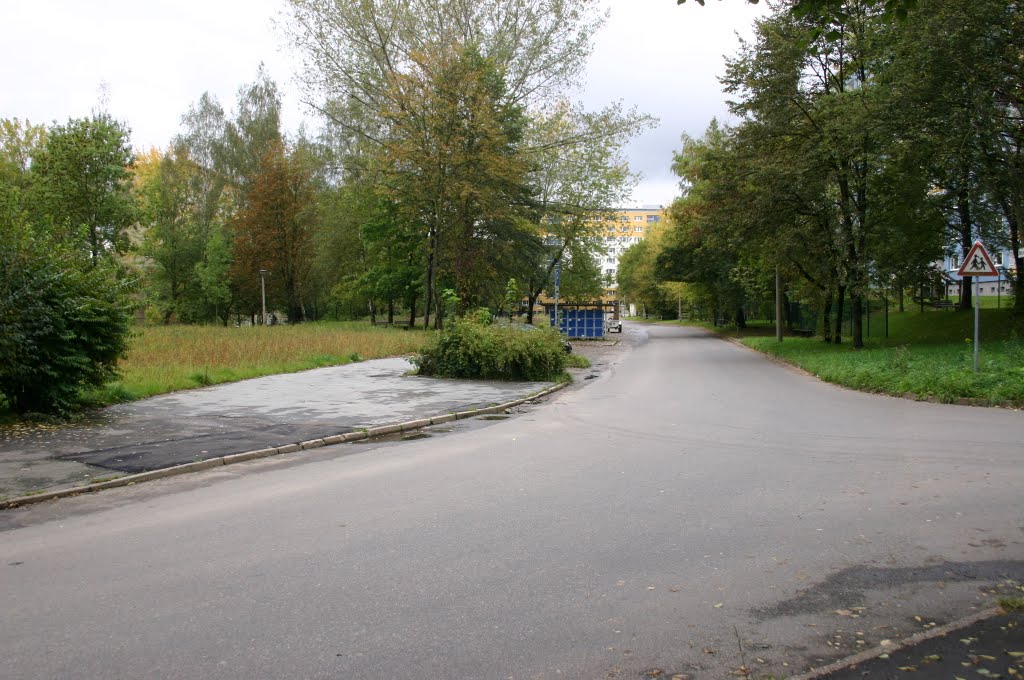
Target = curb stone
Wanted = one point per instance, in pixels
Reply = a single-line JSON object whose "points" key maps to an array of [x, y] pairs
{"points": [[916, 638], [196, 466]]}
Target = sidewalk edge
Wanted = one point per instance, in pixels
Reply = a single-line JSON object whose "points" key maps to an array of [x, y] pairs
{"points": [[242, 456]]}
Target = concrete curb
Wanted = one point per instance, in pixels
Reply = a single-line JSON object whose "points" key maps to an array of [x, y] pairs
{"points": [[916, 638], [377, 431]]}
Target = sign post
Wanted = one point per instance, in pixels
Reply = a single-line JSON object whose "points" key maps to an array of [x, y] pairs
{"points": [[977, 263], [558, 283]]}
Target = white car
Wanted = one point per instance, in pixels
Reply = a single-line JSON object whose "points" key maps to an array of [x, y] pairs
{"points": [[613, 326]]}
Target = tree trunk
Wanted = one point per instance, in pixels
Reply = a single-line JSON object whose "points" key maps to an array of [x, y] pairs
{"points": [[840, 303], [391, 311], [412, 312], [373, 312], [826, 315], [963, 210], [741, 318], [858, 320]]}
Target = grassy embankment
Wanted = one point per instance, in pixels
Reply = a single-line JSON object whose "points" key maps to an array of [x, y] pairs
{"points": [[168, 358], [929, 355]]}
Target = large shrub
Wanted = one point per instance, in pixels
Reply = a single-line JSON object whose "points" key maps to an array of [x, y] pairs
{"points": [[469, 349], [65, 320]]}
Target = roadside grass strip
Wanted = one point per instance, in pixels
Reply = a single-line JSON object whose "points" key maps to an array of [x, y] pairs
{"points": [[168, 358]]}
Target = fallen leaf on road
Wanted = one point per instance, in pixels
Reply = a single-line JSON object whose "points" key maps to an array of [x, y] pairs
{"points": [[844, 612], [719, 605]]}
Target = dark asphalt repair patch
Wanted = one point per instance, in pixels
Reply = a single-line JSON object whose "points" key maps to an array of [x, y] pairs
{"points": [[993, 648], [146, 456], [848, 586]]}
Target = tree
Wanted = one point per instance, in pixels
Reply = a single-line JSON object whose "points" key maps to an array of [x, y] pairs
{"points": [[274, 233], [354, 49], [66, 319], [523, 170], [19, 142], [898, 9], [81, 184], [175, 234], [579, 174], [452, 167]]}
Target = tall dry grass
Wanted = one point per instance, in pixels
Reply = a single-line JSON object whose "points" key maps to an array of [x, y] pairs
{"points": [[168, 358]]}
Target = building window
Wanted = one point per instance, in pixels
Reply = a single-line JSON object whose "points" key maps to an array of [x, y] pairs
{"points": [[999, 258], [638, 218], [954, 261], [624, 218], [639, 230], [653, 218]]}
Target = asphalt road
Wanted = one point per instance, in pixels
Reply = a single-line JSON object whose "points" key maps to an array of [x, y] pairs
{"points": [[694, 510]]}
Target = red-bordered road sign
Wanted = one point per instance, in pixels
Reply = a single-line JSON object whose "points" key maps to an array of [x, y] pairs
{"points": [[978, 262]]}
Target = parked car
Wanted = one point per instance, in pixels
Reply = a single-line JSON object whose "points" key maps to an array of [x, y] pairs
{"points": [[613, 326]]}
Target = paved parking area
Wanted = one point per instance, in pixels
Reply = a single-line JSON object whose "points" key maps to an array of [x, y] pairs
{"points": [[214, 421]]}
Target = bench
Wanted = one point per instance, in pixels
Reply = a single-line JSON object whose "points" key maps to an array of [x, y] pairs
{"points": [[803, 332]]}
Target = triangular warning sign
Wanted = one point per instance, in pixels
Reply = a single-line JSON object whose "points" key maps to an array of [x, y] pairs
{"points": [[977, 262]]}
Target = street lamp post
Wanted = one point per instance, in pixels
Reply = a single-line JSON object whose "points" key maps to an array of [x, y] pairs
{"points": [[263, 294]]}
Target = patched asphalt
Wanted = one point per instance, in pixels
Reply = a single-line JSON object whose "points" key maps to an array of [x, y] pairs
{"points": [[205, 423], [992, 648]]}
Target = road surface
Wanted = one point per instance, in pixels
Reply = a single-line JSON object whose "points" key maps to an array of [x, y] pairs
{"points": [[695, 511]]}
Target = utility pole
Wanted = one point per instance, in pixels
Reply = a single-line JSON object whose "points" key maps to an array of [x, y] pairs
{"points": [[263, 295]]}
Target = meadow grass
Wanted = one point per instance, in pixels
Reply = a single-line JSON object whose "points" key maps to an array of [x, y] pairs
{"points": [[169, 358], [929, 355]]}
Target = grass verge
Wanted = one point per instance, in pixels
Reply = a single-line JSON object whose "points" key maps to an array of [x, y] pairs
{"points": [[929, 355], [169, 358]]}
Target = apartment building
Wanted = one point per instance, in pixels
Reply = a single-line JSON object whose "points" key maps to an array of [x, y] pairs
{"points": [[626, 227]]}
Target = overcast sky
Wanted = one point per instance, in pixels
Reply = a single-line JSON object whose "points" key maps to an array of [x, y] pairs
{"points": [[158, 57]]}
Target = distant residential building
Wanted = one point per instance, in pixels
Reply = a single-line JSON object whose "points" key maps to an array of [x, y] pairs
{"points": [[626, 227]]}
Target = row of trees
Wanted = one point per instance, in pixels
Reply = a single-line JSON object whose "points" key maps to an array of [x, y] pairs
{"points": [[451, 168], [867, 145], [463, 165]]}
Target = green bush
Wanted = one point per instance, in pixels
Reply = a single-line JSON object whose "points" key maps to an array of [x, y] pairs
{"points": [[65, 322], [469, 349]]}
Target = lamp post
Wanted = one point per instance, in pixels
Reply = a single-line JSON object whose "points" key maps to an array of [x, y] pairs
{"points": [[263, 294]]}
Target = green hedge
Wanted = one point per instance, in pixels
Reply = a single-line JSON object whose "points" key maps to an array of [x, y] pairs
{"points": [[65, 322], [469, 349]]}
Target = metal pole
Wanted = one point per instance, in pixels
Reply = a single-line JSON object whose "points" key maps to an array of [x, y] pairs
{"points": [[778, 305], [999, 287], [977, 317], [679, 307], [263, 295], [558, 281]]}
